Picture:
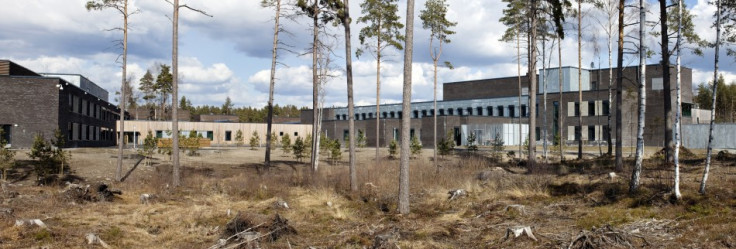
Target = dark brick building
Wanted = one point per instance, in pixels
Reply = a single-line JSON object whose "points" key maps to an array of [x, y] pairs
{"points": [[32, 103], [490, 106]]}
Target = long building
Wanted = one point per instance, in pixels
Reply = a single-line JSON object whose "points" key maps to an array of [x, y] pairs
{"points": [[33, 103], [489, 107]]}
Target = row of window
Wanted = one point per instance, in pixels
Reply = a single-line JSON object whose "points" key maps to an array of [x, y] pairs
{"points": [[207, 134], [83, 132], [589, 108], [90, 109], [589, 133], [498, 111]]}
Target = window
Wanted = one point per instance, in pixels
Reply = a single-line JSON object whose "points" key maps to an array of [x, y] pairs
{"points": [[490, 110], [281, 133], [687, 110], [577, 109], [479, 111], [591, 108], [605, 132], [400, 114], [362, 115], [385, 115], [606, 107], [416, 114], [512, 111], [296, 134], [424, 113], [357, 116], [229, 135], [538, 135], [79, 132], [71, 102], [442, 112], [523, 110], [84, 107], [344, 117], [70, 131], [345, 135], [577, 133], [470, 111], [460, 112], [500, 111], [450, 111], [594, 85], [396, 134], [393, 115], [370, 115], [210, 135], [337, 117], [411, 133], [431, 112], [592, 134]]}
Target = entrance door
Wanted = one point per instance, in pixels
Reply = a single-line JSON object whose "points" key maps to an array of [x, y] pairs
{"points": [[458, 136]]}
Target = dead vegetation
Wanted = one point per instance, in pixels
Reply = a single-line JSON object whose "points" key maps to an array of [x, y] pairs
{"points": [[232, 203]]}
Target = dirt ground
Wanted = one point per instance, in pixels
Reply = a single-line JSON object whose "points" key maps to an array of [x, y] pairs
{"points": [[576, 204]]}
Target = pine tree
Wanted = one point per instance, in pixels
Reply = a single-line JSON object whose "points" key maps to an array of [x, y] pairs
{"points": [[7, 156]]}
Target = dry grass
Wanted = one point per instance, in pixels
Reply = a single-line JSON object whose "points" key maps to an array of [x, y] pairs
{"points": [[326, 214]]}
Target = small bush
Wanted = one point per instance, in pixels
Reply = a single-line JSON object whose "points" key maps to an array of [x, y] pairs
{"points": [[286, 143], [392, 148], [299, 149], [239, 138], [7, 157], [497, 147], [255, 140], [472, 147], [415, 146], [360, 141]]}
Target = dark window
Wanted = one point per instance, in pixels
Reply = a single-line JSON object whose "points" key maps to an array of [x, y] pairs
{"points": [[442, 112], [538, 135], [591, 133], [79, 132], [345, 135], [210, 135], [591, 108], [393, 115], [411, 133], [555, 123], [385, 115], [577, 109], [577, 133], [70, 131], [344, 117], [416, 114], [296, 134], [512, 112], [362, 115], [470, 111], [594, 85], [687, 110], [424, 113], [159, 134], [523, 110], [337, 117], [228, 135], [399, 116], [431, 112], [281, 133], [605, 132], [71, 102], [450, 111], [460, 112], [606, 107], [479, 111], [500, 111], [357, 116], [370, 115], [490, 110]]}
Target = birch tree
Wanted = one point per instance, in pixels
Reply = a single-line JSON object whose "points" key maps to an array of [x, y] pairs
{"points": [[608, 8], [434, 18], [676, 157], [634, 184], [272, 83], [406, 108], [383, 27], [344, 17], [715, 93], [121, 6], [176, 177]]}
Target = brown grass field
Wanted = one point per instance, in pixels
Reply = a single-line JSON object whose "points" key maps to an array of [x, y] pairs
{"points": [[576, 201]]}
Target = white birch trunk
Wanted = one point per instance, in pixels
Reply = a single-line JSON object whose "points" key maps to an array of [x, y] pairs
{"points": [[634, 184], [713, 109], [678, 110]]}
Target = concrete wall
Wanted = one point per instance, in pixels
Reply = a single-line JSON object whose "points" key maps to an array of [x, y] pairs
{"points": [[695, 136], [142, 127]]}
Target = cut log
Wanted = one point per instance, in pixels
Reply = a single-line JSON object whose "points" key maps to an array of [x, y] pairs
{"points": [[93, 239], [30, 222], [280, 204], [518, 231], [147, 198]]}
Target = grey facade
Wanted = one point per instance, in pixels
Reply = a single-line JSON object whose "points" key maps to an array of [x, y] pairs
{"points": [[33, 104], [481, 103]]}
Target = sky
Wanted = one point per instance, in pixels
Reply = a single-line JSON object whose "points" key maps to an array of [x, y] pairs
{"points": [[229, 54]]}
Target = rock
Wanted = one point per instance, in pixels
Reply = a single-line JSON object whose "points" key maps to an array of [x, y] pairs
{"points": [[7, 212], [329, 204], [104, 193], [491, 173], [518, 231], [385, 240], [93, 239], [30, 222], [457, 193], [516, 208], [147, 198], [280, 204], [612, 175]]}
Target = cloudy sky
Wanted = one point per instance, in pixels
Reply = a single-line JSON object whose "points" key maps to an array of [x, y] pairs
{"points": [[230, 54]]}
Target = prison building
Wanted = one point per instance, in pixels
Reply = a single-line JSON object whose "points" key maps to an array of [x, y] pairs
{"points": [[32, 103], [488, 107]]}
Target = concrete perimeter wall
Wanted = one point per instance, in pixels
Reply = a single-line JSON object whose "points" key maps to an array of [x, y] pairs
{"points": [[695, 136]]}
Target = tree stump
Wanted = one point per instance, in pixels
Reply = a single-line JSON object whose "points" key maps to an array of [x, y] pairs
{"points": [[518, 231]]}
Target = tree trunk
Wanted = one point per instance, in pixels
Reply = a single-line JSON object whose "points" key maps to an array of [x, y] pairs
{"points": [[518, 69], [406, 109], [174, 95], [667, 92], [121, 132], [544, 97], [559, 103], [532, 88], [619, 88], [678, 113], [713, 105], [315, 90], [434, 158], [634, 184], [378, 97], [351, 106], [269, 120], [610, 82], [578, 132]]}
